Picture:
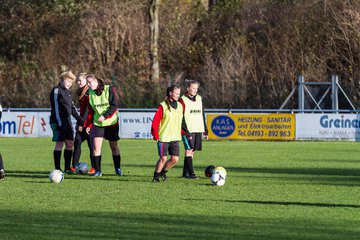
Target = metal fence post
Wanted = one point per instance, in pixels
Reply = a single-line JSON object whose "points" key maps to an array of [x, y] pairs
{"points": [[334, 93], [301, 104]]}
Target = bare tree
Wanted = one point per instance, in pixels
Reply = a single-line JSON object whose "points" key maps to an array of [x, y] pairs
{"points": [[154, 27]]}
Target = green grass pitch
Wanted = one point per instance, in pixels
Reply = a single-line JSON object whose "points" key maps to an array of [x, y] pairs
{"points": [[273, 190]]}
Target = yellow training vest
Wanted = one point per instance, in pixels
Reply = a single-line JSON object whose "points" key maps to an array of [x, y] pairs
{"points": [[170, 125], [100, 104], [194, 114]]}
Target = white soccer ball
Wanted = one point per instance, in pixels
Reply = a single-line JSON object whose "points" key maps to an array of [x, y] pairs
{"points": [[56, 176], [82, 168], [217, 179], [222, 171]]}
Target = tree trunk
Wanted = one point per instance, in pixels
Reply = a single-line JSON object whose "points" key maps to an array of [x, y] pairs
{"points": [[154, 28]]}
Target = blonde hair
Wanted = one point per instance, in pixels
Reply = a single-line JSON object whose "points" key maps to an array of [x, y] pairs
{"points": [[68, 75], [188, 82]]}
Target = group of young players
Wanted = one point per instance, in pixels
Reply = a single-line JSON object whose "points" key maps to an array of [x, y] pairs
{"points": [[98, 120], [176, 119], [179, 119]]}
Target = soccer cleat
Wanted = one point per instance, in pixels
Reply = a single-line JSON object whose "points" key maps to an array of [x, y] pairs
{"points": [[163, 174], [193, 176], [190, 176], [2, 174], [118, 171], [97, 174], [184, 173], [91, 171], [70, 171], [156, 180]]}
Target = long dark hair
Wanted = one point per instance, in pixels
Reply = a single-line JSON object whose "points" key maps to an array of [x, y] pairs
{"points": [[168, 90]]}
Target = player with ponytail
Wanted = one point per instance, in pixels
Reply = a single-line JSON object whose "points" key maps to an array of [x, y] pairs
{"points": [[166, 131]]}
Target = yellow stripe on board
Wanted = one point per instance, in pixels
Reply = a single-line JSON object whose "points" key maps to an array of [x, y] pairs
{"points": [[248, 126]]}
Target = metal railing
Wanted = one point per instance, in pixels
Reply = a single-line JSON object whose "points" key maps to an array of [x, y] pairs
{"points": [[210, 110]]}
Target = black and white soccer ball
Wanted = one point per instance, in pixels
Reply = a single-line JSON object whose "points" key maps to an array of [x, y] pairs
{"points": [[221, 170], [82, 168], [56, 176], [217, 179]]}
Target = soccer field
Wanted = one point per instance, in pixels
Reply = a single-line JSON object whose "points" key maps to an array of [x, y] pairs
{"points": [[273, 190]]}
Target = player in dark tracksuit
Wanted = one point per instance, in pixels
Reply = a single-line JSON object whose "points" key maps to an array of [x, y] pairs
{"points": [[2, 171], [81, 135], [62, 108]]}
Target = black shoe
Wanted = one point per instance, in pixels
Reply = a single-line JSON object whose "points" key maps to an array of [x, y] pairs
{"points": [[192, 176], [163, 174], [156, 180], [70, 171], [2, 174], [185, 174]]}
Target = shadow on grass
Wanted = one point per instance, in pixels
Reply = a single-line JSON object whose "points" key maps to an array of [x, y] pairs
{"points": [[300, 171], [319, 176], [118, 225], [42, 175], [319, 180], [26, 174], [331, 161], [303, 204], [322, 176]]}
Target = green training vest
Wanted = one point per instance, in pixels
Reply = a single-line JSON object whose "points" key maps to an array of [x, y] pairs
{"points": [[194, 114], [170, 125], [100, 104]]}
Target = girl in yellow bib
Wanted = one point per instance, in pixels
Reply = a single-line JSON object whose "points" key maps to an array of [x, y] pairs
{"points": [[166, 130], [194, 117], [103, 121]]}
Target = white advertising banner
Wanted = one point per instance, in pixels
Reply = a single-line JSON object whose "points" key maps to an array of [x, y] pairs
{"points": [[136, 124], [328, 127], [36, 124], [24, 124]]}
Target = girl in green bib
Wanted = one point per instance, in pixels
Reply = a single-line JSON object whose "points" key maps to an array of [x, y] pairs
{"points": [[103, 121]]}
